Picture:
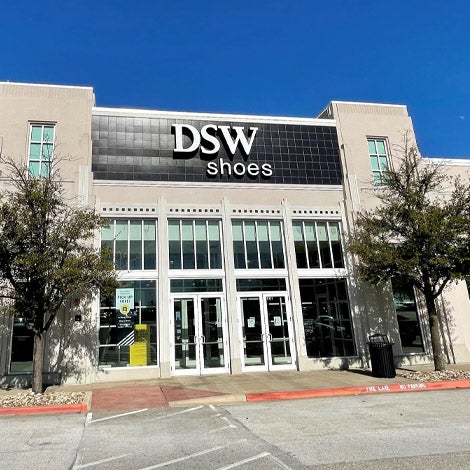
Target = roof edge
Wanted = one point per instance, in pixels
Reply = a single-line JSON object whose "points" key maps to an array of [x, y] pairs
{"points": [[448, 161], [46, 85], [368, 103], [98, 110]]}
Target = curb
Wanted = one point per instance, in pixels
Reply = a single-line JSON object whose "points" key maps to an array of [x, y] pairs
{"points": [[47, 409], [363, 390], [259, 396]]}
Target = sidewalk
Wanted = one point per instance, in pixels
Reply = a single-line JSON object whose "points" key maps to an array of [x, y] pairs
{"points": [[226, 389]]}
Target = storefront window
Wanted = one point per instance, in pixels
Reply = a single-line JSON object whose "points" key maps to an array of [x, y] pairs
{"points": [[327, 318], [129, 337], [260, 285], [317, 245], [257, 244], [195, 285], [22, 343], [132, 243], [407, 318], [194, 244]]}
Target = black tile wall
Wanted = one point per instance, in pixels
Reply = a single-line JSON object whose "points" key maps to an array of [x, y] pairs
{"points": [[141, 149]]}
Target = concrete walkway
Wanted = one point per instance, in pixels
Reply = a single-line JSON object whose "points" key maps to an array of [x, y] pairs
{"points": [[226, 389], [218, 389]]}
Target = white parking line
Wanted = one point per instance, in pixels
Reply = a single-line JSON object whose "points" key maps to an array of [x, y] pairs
{"points": [[220, 429], [244, 461], [118, 416], [187, 457], [256, 457], [281, 464], [225, 420], [98, 462], [180, 412]]}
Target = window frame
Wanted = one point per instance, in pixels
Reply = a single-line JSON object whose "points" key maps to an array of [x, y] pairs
{"points": [[136, 284], [42, 142], [378, 174], [113, 226], [325, 292], [257, 241], [178, 222], [328, 224], [403, 292]]}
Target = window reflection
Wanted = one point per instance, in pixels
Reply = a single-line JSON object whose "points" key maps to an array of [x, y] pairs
{"points": [[317, 245], [407, 317], [132, 244], [21, 360], [131, 339], [194, 244], [327, 319], [257, 244]]}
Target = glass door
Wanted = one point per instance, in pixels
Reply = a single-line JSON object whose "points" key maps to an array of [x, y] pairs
{"points": [[213, 350], [185, 337], [199, 343], [279, 331], [267, 342], [253, 334]]}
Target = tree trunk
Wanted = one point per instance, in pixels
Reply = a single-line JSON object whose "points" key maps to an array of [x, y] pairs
{"points": [[38, 355], [436, 341]]}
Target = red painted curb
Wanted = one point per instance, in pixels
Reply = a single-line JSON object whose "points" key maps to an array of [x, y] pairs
{"points": [[28, 410], [363, 390]]}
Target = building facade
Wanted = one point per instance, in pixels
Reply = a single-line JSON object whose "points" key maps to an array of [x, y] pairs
{"points": [[228, 236]]}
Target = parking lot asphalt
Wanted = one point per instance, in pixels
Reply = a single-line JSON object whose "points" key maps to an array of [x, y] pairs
{"points": [[226, 389]]}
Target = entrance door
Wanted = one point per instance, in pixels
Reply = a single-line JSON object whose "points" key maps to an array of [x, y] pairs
{"points": [[266, 332], [199, 337]]}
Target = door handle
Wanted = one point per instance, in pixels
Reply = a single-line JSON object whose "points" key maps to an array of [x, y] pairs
{"points": [[202, 339], [270, 336]]}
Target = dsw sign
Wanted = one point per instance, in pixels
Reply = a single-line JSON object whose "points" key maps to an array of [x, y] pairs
{"points": [[209, 140]]}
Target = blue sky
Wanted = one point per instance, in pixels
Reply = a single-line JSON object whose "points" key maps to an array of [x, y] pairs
{"points": [[269, 57]]}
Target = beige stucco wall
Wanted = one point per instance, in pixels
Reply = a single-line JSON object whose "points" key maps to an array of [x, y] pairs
{"points": [[456, 304], [73, 344], [194, 195], [69, 109], [355, 123]]}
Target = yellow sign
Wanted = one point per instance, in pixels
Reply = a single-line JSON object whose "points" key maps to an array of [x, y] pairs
{"points": [[140, 350], [124, 309]]}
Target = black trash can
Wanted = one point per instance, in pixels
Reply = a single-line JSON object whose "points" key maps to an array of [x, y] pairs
{"points": [[381, 356]]}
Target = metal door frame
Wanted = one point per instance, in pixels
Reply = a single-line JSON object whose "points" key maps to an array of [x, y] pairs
{"points": [[199, 369], [268, 365]]}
